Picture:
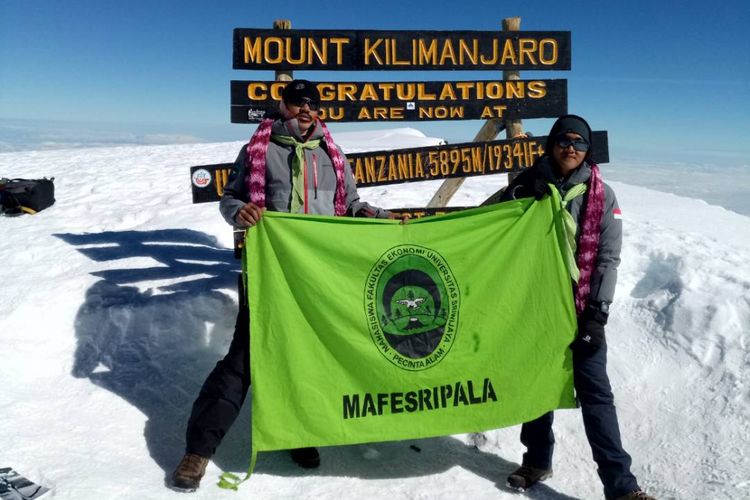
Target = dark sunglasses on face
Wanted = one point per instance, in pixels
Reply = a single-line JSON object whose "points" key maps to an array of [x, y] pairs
{"points": [[313, 105], [578, 144]]}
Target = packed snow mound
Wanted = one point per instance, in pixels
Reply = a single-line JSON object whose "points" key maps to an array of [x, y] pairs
{"points": [[118, 300]]}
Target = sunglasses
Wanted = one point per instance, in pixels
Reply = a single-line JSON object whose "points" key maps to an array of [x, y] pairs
{"points": [[578, 144], [299, 102]]}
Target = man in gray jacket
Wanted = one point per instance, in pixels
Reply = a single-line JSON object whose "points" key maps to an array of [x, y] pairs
{"points": [[592, 204], [290, 165]]}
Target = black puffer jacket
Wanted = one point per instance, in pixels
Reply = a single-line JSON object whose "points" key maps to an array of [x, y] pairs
{"points": [[604, 276]]}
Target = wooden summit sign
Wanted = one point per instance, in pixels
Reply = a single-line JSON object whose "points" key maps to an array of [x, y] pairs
{"points": [[400, 50], [380, 168], [411, 101]]}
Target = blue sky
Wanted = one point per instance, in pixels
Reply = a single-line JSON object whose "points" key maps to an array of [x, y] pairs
{"points": [[666, 79]]}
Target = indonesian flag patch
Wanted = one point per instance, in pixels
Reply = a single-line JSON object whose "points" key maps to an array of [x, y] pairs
{"points": [[617, 213]]}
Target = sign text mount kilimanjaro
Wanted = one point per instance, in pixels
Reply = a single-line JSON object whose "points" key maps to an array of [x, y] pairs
{"points": [[399, 50]]}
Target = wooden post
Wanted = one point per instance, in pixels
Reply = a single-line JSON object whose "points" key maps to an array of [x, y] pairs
{"points": [[287, 75], [488, 132], [513, 128]]}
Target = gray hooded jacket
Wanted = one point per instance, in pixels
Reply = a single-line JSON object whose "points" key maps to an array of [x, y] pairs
{"points": [[604, 276], [319, 173]]}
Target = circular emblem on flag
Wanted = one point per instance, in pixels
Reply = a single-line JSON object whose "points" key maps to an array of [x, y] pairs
{"points": [[411, 303], [201, 178]]}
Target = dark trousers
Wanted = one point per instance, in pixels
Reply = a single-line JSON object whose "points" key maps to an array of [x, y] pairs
{"points": [[600, 422], [223, 392]]}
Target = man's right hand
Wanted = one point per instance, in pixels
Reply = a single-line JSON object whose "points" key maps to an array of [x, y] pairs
{"points": [[249, 215]]}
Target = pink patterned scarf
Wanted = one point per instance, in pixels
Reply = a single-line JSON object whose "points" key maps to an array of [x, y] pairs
{"points": [[255, 164], [588, 243]]}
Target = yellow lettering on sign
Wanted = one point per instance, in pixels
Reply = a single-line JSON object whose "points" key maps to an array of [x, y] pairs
{"points": [[302, 52], [548, 45], [220, 180], [321, 52], [371, 51], [252, 50], [279, 47], [427, 54], [537, 89], [327, 91], [386, 88], [528, 48], [364, 114], [370, 169], [404, 166], [448, 52], [476, 160], [394, 54], [494, 57], [441, 112], [465, 88], [381, 169], [494, 90], [257, 91], [359, 174], [509, 53], [339, 43], [447, 92], [305, 50], [514, 89], [331, 113], [368, 93], [493, 111], [423, 95], [469, 52], [392, 169], [347, 91], [405, 91], [419, 167], [276, 89]]}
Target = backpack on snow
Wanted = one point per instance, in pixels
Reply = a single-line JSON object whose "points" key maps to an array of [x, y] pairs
{"points": [[18, 196]]}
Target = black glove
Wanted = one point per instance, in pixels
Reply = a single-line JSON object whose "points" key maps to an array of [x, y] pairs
{"points": [[590, 336], [538, 189], [541, 189]]}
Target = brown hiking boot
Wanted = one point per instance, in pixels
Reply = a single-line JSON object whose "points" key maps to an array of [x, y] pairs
{"points": [[307, 458], [187, 476], [636, 495], [526, 476]]}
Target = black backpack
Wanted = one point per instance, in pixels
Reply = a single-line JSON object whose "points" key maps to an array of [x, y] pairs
{"points": [[18, 196]]}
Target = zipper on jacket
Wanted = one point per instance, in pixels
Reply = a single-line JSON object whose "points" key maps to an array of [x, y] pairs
{"points": [[304, 175], [315, 174]]}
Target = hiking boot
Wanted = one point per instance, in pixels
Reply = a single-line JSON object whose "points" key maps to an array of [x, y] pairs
{"points": [[526, 476], [187, 476], [636, 495], [307, 458]]}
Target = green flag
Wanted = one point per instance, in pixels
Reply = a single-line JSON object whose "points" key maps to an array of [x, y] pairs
{"points": [[368, 330]]}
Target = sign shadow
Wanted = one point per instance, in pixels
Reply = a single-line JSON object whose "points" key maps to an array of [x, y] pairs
{"points": [[155, 323]]}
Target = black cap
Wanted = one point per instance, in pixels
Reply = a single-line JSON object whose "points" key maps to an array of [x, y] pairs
{"points": [[297, 90], [565, 124]]}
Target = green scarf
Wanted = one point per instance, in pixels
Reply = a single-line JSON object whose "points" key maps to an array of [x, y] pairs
{"points": [[570, 229], [298, 181]]}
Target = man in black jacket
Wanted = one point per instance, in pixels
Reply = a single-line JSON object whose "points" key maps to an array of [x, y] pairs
{"points": [[592, 204]]}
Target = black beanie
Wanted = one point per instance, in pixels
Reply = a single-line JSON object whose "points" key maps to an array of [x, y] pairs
{"points": [[296, 90], [569, 123]]}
